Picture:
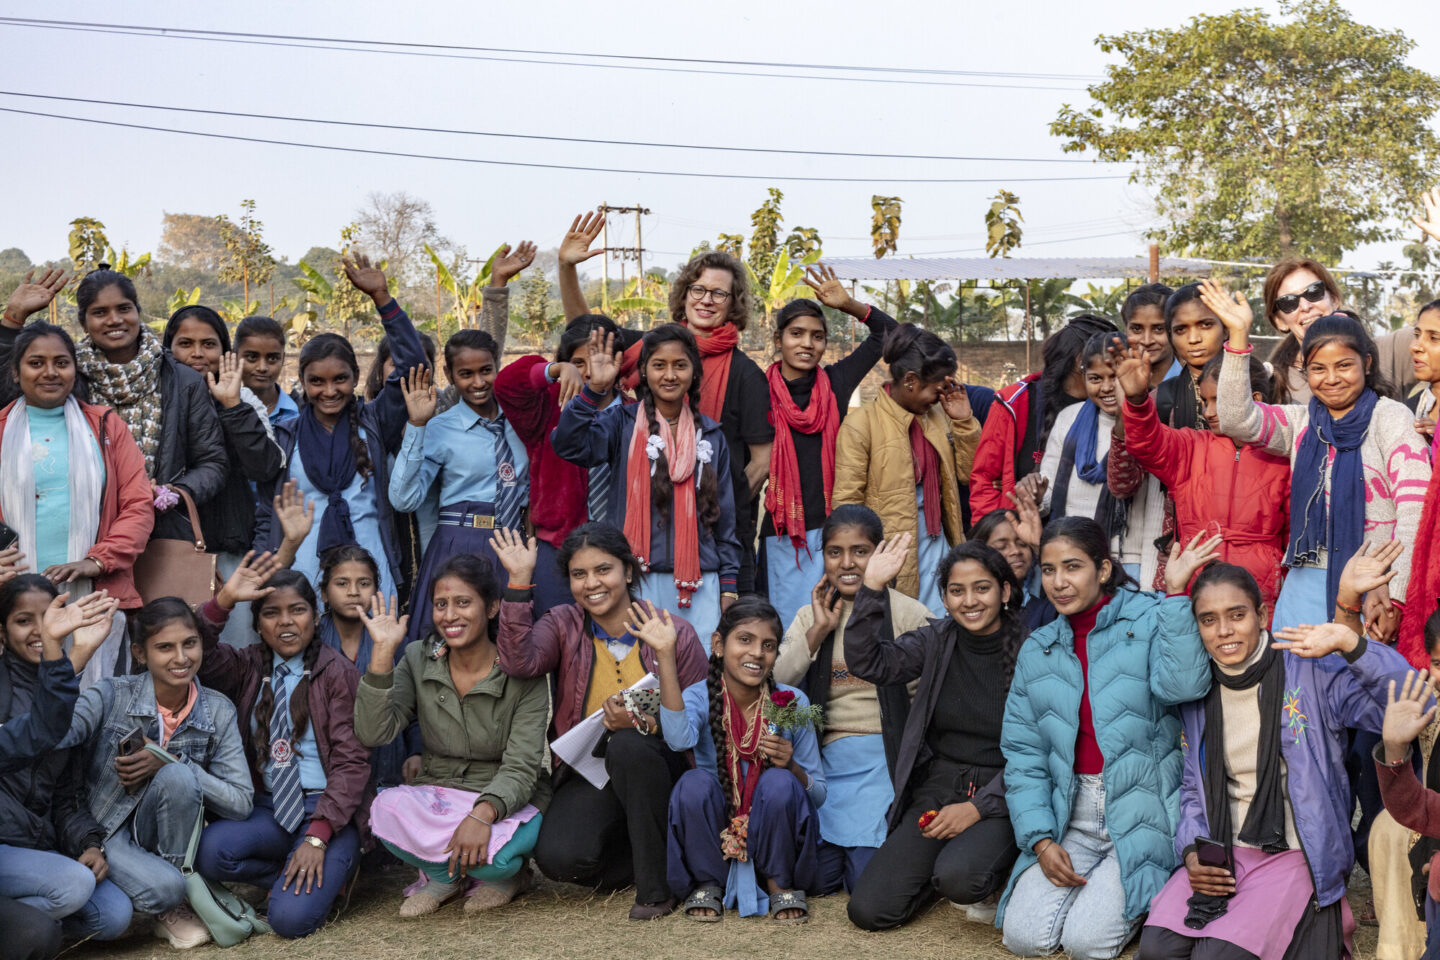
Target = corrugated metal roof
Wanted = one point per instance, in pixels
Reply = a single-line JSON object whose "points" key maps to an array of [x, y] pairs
{"points": [[1016, 268]]}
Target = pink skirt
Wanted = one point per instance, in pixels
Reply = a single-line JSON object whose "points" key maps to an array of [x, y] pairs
{"points": [[422, 819], [1272, 892]]}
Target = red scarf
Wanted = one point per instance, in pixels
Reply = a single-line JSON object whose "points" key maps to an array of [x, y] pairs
{"points": [[1424, 586], [927, 474], [742, 743], [679, 451], [716, 352], [784, 498]]}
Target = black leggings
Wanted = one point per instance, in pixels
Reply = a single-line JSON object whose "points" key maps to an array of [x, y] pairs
{"points": [[611, 838]]}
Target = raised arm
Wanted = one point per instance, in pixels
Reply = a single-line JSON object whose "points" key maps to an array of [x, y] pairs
{"points": [[527, 649], [872, 653], [385, 700], [406, 349], [575, 249], [1264, 425], [414, 472]]}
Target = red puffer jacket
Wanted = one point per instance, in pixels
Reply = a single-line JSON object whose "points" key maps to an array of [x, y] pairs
{"points": [[1243, 491], [1005, 425]]}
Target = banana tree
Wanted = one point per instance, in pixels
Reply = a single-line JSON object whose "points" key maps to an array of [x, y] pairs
{"points": [[466, 294], [1048, 301], [233, 310], [645, 296], [785, 283], [1106, 300]]}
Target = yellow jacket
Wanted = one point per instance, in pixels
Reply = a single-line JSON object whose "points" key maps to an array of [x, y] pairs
{"points": [[874, 466]]}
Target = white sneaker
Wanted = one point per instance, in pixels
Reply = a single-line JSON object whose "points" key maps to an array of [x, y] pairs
{"points": [[982, 912], [181, 927]]}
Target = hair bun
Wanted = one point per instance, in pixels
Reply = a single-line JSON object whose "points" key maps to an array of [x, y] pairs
{"points": [[102, 266]]}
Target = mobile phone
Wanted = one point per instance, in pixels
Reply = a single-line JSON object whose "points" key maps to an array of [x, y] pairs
{"points": [[1211, 853], [133, 742], [8, 536]]}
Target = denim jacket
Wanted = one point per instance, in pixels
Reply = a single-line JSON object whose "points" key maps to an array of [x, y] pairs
{"points": [[207, 740]]}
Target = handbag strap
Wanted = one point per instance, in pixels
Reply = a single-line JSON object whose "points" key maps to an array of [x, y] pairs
{"points": [[188, 866], [194, 516]]}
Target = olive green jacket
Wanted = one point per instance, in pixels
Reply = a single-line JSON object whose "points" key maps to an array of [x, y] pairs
{"points": [[490, 741]]}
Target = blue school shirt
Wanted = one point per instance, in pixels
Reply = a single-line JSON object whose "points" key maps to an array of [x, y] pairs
{"points": [[364, 517], [50, 456], [689, 729], [307, 751], [285, 409], [458, 448]]}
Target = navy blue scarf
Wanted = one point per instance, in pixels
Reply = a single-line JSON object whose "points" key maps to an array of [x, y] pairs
{"points": [[329, 462], [1338, 526], [1078, 454], [330, 636]]}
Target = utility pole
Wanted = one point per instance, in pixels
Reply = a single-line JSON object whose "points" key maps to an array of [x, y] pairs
{"points": [[605, 258], [637, 252]]}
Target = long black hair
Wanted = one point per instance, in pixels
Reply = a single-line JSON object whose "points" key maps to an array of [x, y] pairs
{"points": [[743, 610], [1150, 295], [300, 695], [1060, 354], [159, 614], [707, 503], [375, 379], [328, 346], [576, 335], [1095, 544], [607, 539], [909, 349]]}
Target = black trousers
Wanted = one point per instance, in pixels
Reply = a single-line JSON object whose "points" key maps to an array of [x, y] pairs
{"points": [[611, 838], [28, 934], [1319, 935]]}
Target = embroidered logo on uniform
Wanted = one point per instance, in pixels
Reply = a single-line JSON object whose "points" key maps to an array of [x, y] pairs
{"points": [[507, 472], [1295, 718], [281, 752], [1184, 743]]}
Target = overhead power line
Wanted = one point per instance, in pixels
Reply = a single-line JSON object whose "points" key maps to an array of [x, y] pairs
{"points": [[544, 166], [437, 51], [535, 136]]}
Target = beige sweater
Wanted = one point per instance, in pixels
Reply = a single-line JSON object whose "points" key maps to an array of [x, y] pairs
{"points": [[853, 707], [1242, 753]]}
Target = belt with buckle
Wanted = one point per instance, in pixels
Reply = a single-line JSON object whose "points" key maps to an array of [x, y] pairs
{"points": [[475, 521]]}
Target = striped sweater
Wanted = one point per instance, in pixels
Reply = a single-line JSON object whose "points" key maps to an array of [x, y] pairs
{"points": [[1396, 462]]}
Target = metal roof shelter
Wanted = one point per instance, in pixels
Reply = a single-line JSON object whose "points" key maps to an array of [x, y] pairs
{"points": [[1001, 270]]}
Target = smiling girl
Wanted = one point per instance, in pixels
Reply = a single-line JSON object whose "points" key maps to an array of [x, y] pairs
{"points": [[338, 449], [613, 836], [470, 453], [1092, 746], [670, 459], [905, 454], [949, 828], [72, 482], [809, 402], [862, 721], [752, 795], [295, 700], [1358, 468], [473, 811]]}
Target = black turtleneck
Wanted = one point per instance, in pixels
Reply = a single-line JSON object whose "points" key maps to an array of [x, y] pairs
{"points": [[965, 727]]}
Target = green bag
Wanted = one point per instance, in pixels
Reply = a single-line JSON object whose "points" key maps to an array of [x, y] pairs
{"points": [[229, 919]]}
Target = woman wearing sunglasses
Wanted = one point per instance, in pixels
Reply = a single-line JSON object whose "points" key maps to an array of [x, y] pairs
{"points": [[1297, 292]]}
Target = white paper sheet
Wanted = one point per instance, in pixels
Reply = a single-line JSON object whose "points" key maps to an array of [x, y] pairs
{"points": [[576, 745]]}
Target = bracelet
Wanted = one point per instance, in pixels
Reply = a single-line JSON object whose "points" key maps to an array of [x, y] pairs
{"points": [[1346, 607], [471, 816], [730, 594], [520, 586], [1247, 350]]}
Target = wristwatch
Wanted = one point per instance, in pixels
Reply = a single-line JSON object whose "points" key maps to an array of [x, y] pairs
{"points": [[315, 841]]}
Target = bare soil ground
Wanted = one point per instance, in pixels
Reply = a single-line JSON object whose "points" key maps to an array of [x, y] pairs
{"points": [[561, 922]]}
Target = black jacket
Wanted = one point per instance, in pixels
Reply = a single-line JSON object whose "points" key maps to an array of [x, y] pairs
{"points": [[192, 446], [25, 737], [228, 520], [43, 805]]}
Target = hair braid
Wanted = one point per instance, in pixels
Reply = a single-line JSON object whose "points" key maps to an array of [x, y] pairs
{"points": [[357, 443], [300, 696], [715, 683], [264, 706]]}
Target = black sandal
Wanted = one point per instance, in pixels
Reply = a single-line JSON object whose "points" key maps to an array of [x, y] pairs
{"points": [[789, 900], [653, 911], [705, 898]]}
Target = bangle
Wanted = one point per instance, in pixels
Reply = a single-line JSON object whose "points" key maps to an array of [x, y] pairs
{"points": [[730, 594], [1346, 607], [1230, 349], [471, 816], [520, 586]]}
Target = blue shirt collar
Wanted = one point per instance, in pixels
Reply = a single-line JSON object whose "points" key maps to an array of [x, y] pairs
{"points": [[625, 638]]}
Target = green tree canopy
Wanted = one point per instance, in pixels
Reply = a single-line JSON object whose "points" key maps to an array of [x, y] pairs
{"points": [[1265, 138]]}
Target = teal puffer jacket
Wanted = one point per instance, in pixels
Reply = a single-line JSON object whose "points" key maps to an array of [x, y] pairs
{"points": [[1145, 657]]}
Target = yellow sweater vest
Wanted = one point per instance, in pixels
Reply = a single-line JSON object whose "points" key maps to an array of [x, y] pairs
{"points": [[609, 676]]}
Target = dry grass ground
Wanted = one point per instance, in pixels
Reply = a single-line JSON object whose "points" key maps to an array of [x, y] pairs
{"points": [[558, 922]]}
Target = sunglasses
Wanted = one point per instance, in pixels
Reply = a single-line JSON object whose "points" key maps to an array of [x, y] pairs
{"points": [[1291, 301]]}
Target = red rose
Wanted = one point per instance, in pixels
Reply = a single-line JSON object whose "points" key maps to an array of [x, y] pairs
{"points": [[782, 698], [928, 816]]}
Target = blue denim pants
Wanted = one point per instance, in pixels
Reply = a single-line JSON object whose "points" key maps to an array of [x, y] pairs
{"points": [[1087, 922], [63, 889]]}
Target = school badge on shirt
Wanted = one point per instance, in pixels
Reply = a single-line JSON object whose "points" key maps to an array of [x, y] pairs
{"points": [[507, 472]]}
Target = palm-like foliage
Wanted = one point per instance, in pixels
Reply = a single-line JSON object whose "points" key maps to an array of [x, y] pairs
{"points": [[785, 283]]}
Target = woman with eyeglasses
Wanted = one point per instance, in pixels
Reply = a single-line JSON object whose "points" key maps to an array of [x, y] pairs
{"points": [[1297, 292]]}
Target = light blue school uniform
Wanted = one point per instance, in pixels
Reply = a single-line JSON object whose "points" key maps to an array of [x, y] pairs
{"points": [[285, 408], [456, 447], [858, 791], [364, 517], [307, 751], [931, 551], [1302, 598], [792, 573]]}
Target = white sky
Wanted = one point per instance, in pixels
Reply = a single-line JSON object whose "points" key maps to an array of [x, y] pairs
{"points": [[58, 169]]}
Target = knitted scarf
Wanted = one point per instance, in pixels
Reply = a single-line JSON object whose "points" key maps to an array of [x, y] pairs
{"points": [[329, 462], [1333, 524], [679, 449], [131, 389], [784, 498]]}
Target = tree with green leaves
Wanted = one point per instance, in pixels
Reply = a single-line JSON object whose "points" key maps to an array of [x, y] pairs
{"points": [[785, 282], [884, 224], [1049, 301], [247, 259], [1002, 224], [765, 234], [87, 244], [802, 242], [731, 243], [1265, 138]]}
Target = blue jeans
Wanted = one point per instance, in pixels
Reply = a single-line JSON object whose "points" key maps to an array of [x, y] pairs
{"points": [[256, 851], [146, 851], [1432, 930], [64, 889], [1087, 922]]}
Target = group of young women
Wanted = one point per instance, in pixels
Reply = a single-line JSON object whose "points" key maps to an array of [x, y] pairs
{"points": [[1060, 654]]}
